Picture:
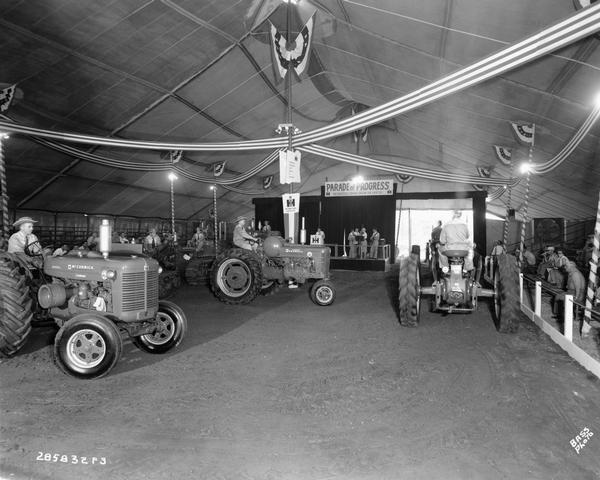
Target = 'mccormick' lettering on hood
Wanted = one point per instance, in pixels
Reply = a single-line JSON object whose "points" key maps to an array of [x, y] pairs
{"points": [[80, 267]]}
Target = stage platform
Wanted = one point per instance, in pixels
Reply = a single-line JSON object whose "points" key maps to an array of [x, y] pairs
{"points": [[366, 264]]}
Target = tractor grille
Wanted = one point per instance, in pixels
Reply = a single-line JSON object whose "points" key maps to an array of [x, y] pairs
{"points": [[140, 291]]}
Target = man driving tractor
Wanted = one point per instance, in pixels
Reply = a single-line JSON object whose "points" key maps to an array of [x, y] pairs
{"points": [[24, 241], [241, 238], [455, 236]]}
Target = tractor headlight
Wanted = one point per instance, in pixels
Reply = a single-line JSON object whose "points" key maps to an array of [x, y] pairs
{"points": [[159, 270], [108, 274], [445, 269]]}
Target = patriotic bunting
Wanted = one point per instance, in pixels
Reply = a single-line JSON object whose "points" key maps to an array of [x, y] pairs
{"points": [[504, 154], [267, 181], [403, 178], [485, 171], [479, 188], [6, 96], [175, 155], [525, 132], [218, 168], [298, 56]]}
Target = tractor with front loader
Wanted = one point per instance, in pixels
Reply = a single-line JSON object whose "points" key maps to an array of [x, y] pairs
{"points": [[93, 297], [239, 275], [455, 290]]}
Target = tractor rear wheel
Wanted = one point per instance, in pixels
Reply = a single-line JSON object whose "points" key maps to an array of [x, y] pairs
{"points": [[87, 346], [15, 308], [322, 293], [236, 276], [506, 294], [173, 324], [409, 294]]}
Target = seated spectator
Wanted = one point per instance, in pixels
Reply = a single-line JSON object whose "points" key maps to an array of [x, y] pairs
{"points": [[60, 251], [123, 238]]}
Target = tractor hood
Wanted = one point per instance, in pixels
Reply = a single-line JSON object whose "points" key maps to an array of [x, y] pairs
{"points": [[92, 266]]}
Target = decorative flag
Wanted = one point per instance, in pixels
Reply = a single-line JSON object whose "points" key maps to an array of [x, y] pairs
{"points": [[479, 188], [175, 155], [363, 132], [404, 178], [6, 96], [289, 166], [484, 171], [267, 181], [504, 154], [525, 132], [218, 168], [298, 55]]}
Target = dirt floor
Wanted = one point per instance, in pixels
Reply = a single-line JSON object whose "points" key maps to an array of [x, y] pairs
{"points": [[283, 389]]}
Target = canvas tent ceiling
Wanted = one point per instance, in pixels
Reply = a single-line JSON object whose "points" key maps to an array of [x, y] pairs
{"points": [[201, 71]]}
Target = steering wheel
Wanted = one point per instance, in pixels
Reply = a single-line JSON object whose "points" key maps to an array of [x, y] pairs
{"points": [[30, 253]]}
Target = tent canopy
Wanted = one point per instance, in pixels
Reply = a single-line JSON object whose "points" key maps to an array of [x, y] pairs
{"points": [[202, 71]]}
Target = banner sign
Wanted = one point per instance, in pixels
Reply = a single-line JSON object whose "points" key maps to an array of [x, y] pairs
{"points": [[383, 186], [291, 202]]}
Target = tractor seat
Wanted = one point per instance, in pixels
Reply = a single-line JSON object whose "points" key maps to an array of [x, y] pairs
{"points": [[455, 253]]}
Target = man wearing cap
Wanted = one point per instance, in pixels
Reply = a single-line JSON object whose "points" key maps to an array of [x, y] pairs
{"points": [[241, 238], [455, 236], [24, 241]]}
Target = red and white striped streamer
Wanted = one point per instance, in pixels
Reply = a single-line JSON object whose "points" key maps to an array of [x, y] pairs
{"points": [[593, 274]]}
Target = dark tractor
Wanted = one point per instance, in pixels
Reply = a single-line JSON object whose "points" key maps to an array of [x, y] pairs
{"points": [[92, 297], [239, 275], [457, 291]]}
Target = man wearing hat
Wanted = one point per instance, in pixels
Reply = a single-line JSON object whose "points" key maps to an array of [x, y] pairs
{"points": [[241, 238], [24, 241]]}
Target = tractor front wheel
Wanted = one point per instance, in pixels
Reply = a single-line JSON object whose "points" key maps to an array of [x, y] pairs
{"points": [[506, 294], [173, 326], [15, 308], [409, 295], [236, 276], [87, 346], [322, 293]]}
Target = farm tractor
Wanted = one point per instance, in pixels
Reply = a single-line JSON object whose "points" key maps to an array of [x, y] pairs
{"points": [[239, 275], [92, 297], [455, 290]]}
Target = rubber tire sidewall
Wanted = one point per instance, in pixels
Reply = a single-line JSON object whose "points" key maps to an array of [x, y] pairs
{"points": [[409, 289], [253, 263], [316, 286], [101, 325], [15, 308], [180, 323], [506, 290]]}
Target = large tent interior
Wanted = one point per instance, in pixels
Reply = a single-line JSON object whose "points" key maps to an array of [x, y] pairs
{"points": [[457, 102]]}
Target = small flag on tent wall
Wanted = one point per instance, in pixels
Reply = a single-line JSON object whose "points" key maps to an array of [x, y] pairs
{"points": [[524, 132], [298, 56], [218, 168], [267, 181], [504, 154], [6, 96], [484, 171], [175, 155], [404, 178], [479, 188]]}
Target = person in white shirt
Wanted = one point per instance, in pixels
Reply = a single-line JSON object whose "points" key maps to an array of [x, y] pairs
{"points": [[152, 240], [24, 241], [455, 236]]}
